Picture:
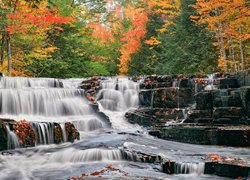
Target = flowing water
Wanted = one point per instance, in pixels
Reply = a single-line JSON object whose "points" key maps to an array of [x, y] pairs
{"points": [[45, 101]]}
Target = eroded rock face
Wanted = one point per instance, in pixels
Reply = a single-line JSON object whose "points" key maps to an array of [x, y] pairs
{"points": [[210, 102], [3, 136], [166, 97], [71, 132]]}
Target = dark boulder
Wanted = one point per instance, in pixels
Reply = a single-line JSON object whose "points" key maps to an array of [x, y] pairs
{"points": [[204, 101], [228, 112], [3, 136]]}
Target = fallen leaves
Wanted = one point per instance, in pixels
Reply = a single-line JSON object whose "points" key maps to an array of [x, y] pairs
{"points": [[107, 169]]}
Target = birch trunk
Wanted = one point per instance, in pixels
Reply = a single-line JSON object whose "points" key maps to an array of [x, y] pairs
{"points": [[9, 54], [241, 50]]}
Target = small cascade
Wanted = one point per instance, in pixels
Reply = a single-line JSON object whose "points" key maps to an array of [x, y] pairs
{"points": [[118, 94], [88, 124], [189, 168], [179, 120], [45, 102], [152, 100], [116, 97], [44, 132], [175, 83], [62, 125], [13, 141], [210, 82], [88, 155], [21, 82]]}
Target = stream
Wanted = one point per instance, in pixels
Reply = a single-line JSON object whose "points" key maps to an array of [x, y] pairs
{"points": [[42, 101]]}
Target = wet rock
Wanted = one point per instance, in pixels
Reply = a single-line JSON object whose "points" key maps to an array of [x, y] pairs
{"points": [[143, 117], [148, 117], [199, 116], [155, 133], [228, 112], [188, 134], [229, 82], [71, 132], [166, 97], [232, 171], [58, 134], [204, 101], [168, 167], [186, 83], [152, 82], [3, 136], [234, 136]]}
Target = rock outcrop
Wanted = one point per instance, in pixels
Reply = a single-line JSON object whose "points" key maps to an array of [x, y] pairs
{"points": [[196, 109]]}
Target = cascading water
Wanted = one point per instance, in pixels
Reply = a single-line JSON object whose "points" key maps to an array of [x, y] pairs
{"points": [[12, 138], [49, 103], [43, 101], [189, 168], [116, 97], [95, 154], [44, 132]]}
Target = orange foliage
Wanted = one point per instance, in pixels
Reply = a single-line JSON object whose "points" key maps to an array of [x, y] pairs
{"points": [[132, 39], [25, 18], [101, 31]]}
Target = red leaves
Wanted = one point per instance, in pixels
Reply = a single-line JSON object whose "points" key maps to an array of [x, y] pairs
{"points": [[25, 18], [132, 39], [214, 157], [107, 169], [25, 133]]}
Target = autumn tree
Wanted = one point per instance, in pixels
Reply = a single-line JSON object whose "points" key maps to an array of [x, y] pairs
{"points": [[230, 21]]}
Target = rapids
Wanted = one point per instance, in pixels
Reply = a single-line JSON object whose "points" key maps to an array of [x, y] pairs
{"points": [[44, 101]]}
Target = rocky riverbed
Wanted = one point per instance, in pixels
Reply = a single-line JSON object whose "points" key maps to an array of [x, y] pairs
{"points": [[125, 127]]}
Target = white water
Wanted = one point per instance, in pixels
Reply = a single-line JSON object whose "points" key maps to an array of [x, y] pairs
{"points": [[190, 168], [12, 142], [210, 82], [88, 155], [44, 132], [43, 101], [116, 97], [20, 82]]}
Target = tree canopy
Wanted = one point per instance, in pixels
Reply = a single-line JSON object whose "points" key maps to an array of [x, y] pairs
{"points": [[69, 38]]}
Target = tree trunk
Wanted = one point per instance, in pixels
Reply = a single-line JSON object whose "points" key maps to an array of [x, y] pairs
{"points": [[224, 56], [241, 50], [222, 48], [2, 49], [232, 55], [9, 54], [221, 42]]}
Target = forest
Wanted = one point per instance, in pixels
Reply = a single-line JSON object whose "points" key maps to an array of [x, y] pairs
{"points": [[69, 38]]}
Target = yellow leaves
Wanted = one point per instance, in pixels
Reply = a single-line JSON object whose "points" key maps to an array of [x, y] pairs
{"points": [[152, 41], [194, 17]]}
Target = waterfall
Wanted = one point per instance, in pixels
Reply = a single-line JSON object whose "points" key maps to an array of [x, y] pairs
{"points": [[44, 132], [62, 125], [88, 124], [20, 82], [13, 141], [118, 94], [95, 154], [189, 168], [45, 101], [210, 82], [116, 97]]}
